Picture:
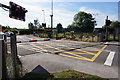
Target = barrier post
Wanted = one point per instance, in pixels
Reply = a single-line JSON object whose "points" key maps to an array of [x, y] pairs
{"points": [[14, 54], [3, 67]]}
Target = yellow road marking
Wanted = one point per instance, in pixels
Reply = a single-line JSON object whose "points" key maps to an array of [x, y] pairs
{"points": [[82, 51], [85, 51], [90, 50], [37, 50], [75, 57], [104, 47], [96, 55], [69, 53], [38, 47], [75, 53]]}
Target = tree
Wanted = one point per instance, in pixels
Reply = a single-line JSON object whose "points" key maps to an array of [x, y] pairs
{"points": [[59, 27], [84, 21], [30, 26], [115, 27], [72, 27]]}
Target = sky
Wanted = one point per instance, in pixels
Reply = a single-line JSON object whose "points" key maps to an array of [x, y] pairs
{"points": [[63, 11]]}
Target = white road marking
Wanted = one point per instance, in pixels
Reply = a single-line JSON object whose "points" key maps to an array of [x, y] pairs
{"points": [[109, 59]]}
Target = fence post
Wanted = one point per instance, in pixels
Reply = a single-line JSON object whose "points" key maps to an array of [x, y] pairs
{"points": [[14, 54], [3, 73]]}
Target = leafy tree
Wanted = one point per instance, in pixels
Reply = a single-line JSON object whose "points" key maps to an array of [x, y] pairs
{"points": [[84, 21], [59, 27], [72, 27], [115, 27], [30, 26], [115, 24]]}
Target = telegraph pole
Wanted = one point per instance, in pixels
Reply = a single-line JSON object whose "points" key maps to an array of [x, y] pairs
{"points": [[43, 16], [51, 14]]}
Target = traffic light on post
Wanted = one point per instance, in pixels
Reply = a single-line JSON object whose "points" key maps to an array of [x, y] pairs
{"points": [[44, 25], [17, 12], [108, 22]]}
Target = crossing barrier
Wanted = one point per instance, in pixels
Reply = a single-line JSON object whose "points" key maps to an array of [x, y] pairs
{"points": [[68, 38]]}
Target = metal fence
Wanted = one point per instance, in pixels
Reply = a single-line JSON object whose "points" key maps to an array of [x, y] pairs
{"points": [[11, 65]]}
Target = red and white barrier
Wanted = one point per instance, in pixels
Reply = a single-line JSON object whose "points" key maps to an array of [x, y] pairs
{"points": [[55, 39]]}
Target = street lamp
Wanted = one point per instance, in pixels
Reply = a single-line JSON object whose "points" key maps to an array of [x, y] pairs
{"points": [[94, 15], [43, 16], [51, 14]]}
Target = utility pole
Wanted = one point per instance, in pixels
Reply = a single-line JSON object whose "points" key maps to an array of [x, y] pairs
{"points": [[43, 16], [51, 14], [94, 16]]}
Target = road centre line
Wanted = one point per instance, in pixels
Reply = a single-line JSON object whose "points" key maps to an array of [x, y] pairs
{"points": [[109, 59]]}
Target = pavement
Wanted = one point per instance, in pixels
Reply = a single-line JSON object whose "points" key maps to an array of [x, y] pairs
{"points": [[59, 55]]}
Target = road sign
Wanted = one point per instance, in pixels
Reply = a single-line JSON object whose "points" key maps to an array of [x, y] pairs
{"points": [[35, 22]]}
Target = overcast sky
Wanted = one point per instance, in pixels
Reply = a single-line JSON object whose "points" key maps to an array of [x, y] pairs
{"points": [[63, 12]]}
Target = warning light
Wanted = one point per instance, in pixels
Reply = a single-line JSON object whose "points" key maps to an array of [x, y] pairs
{"points": [[17, 12]]}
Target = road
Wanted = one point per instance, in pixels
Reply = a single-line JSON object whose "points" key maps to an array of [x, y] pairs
{"points": [[58, 55]]}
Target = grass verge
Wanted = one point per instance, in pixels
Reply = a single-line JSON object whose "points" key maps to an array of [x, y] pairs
{"points": [[64, 75]]}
